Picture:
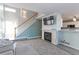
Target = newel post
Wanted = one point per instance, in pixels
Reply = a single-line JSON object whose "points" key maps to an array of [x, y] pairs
{"points": [[15, 32]]}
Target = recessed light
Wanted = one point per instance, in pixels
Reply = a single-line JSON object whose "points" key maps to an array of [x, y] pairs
{"points": [[74, 18]]}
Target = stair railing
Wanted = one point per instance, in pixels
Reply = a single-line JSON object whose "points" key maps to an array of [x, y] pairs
{"points": [[35, 14]]}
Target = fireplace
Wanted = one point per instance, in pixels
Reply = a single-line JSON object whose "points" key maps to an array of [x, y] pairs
{"points": [[47, 36]]}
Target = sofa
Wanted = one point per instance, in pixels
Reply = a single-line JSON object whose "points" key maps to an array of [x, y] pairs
{"points": [[7, 47]]}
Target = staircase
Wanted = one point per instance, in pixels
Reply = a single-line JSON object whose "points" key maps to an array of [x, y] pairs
{"points": [[25, 25]]}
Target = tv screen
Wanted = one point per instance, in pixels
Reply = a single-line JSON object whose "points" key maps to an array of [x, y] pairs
{"points": [[51, 17], [49, 20]]}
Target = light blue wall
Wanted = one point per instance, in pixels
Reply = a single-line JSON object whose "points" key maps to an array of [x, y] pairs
{"points": [[60, 36], [71, 37], [33, 31]]}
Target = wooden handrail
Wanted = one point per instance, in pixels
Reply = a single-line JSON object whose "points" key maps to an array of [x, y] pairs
{"points": [[24, 22], [27, 20]]}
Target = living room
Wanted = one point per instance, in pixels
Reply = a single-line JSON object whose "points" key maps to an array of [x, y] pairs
{"points": [[39, 28]]}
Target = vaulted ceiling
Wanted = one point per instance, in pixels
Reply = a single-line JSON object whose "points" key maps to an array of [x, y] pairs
{"points": [[67, 10]]}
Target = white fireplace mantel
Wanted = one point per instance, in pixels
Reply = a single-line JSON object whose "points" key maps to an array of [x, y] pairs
{"points": [[54, 28]]}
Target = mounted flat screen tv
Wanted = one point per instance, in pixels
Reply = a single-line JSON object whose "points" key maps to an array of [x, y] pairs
{"points": [[49, 20]]}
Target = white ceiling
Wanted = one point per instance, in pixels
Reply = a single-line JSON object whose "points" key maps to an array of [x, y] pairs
{"points": [[67, 10]]}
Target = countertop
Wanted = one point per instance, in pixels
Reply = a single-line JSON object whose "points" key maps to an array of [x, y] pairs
{"points": [[70, 29]]}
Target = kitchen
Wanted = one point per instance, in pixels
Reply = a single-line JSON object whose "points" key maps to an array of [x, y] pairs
{"points": [[60, 31], [69, 34]]}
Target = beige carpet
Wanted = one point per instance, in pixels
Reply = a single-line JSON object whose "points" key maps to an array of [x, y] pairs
{"points": [[25, 50], [38, 47]]}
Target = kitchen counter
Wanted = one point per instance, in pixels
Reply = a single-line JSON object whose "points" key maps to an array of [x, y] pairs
{"points": [[70, 29], [70, 36]]}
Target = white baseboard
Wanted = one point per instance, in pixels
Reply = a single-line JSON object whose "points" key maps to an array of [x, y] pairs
{"points": [[70, 46], [21, 38], [34, 37]]}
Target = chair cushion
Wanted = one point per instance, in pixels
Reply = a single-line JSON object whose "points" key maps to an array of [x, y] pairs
{"points": [[6, 45], [7, 53]]}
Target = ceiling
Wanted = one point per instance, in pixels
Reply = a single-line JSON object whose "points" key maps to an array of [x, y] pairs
{"points": [[67, 10]]}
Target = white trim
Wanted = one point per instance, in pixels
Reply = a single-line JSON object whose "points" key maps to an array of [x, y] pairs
{"points": [[28, 37], [34, 37], [70, 46], [25, 26]]}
